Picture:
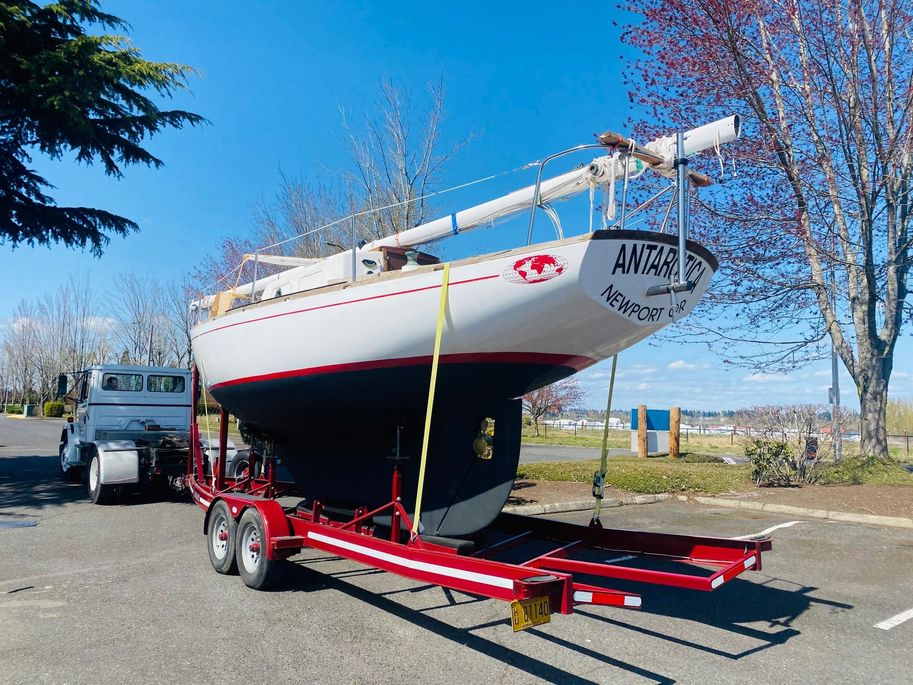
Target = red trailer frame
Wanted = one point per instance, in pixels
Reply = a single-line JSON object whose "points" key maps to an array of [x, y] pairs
{"points": [[531, 562]]}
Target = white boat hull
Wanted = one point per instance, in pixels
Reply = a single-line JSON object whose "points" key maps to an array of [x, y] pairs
{"points": [[329, 374]]}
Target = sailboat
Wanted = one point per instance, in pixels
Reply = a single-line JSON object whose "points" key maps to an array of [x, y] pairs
{"points": [[329, 360]]}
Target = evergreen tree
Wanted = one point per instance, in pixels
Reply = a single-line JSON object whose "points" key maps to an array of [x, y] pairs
{"points": [[63, 89]]}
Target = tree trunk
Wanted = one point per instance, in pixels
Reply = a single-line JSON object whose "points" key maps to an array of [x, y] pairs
{"points": [[536, 424], [873, 403]]}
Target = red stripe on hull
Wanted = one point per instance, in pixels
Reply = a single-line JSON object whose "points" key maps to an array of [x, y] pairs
{"points": [[340, 304], [576, 362]]}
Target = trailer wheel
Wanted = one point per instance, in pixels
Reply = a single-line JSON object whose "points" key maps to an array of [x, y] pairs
{"points": [[70, 474], [223, 534], [98, 493], [256, 570]]}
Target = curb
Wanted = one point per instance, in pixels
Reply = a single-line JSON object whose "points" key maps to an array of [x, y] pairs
{"points": [[843, 516], [566, 507]]}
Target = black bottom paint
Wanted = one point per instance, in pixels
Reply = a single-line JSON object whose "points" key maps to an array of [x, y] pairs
{"points": [[337, 434]]}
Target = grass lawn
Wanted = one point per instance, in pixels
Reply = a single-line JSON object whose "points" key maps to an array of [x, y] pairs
{"points": [[690, 442], [656, 475], [653, 475]]}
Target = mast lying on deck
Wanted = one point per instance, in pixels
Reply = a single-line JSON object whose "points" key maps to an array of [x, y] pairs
{"points": [[627, 156]]}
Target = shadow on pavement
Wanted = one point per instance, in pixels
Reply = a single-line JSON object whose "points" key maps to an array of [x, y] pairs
{"points": [[300, 578], [34, 482], [737, 603]]}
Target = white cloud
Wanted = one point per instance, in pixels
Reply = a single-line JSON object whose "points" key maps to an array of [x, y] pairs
{"points": [[643, 386], [681, 364]]}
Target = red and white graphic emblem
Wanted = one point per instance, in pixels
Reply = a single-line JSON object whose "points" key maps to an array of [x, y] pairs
{"points": [[535, 269]]}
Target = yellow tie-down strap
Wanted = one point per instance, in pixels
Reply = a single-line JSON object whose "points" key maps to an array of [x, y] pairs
{"points": [[442, 307]]}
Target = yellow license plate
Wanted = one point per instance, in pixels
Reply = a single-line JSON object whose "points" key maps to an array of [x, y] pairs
{"points": [[526, 613]]}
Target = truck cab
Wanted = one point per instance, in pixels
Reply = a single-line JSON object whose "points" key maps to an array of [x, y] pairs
{"points": [[130, 427]]}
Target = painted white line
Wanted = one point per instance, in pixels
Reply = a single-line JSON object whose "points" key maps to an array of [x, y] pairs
{"points": [[767, 531], [448, 571], [895, 621], [624, 558]]}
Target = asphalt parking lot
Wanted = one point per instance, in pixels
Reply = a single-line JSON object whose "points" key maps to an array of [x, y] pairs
{"points": [[126, 593]]}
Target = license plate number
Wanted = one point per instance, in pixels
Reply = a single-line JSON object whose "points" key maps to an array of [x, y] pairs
{"points": [[526, 613]]}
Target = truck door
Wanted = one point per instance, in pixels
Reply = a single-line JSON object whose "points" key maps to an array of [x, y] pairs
{"points": [[82, 406]]}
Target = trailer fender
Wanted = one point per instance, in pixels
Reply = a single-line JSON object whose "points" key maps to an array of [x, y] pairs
{"points": [[118, 462], [275, 522]]}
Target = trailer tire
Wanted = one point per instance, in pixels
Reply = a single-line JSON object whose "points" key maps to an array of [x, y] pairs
{"points": [[222, 538], [98, 493], [72, 474], [257, 572]]}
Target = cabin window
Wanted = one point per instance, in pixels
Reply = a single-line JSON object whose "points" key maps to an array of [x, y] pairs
{"points": [[165, 383], [122, 382]]}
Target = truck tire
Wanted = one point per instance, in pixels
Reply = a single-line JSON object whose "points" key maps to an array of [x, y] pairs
{"points": [[70, 474], [98, 493], [222, 537], [257, 572], [239, 466]]}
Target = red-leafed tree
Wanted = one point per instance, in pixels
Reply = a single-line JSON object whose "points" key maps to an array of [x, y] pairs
{"points": [[552, 399], [813, 231]]}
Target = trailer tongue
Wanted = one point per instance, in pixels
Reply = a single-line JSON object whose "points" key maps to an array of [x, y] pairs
{"points": [[537, 565]]}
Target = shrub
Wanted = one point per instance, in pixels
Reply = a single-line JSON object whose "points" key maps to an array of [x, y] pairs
{"points": [[696, 458], [54, 409], [865, 470], [14, 409], [773, 462], [210, 408]]}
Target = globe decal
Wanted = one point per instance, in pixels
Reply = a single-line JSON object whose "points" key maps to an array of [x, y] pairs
{"points": [[535, 269]]}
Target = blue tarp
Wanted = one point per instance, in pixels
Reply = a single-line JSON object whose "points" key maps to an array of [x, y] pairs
{"points": [[657, 419]]}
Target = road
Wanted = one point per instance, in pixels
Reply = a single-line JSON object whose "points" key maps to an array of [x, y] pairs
{"points": [[125, 594]]}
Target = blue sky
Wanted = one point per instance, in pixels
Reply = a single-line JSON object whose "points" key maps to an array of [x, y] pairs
{"points": [[526, 79]]}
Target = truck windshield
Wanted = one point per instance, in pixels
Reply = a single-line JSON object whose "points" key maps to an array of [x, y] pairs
{"points": [[122, 382], [165, 383]]}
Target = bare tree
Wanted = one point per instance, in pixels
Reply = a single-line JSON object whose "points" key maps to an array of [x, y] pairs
{"points": [[397, 159], [815, 236], [19, 340], [176, 297], [551, 399], [140, 325]]}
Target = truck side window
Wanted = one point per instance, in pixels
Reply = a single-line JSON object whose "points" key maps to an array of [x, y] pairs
{"points": [[165, 383], [122, 382], [83, 390]]}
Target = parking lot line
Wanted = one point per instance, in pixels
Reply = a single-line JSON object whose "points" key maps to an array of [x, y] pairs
{"points": [[894, 621], [767, 531]]}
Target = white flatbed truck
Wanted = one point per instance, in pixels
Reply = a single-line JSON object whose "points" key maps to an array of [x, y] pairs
{"points": [[130, 429]]}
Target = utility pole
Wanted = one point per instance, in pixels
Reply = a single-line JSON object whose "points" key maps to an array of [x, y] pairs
{"points": [[835, 378]]}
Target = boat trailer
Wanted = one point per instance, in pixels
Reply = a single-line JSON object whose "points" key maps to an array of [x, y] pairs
{"points": [[538, 565]]}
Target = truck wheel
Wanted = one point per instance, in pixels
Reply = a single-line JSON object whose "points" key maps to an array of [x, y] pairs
{"points": [[240, 467], [98, 493], [256, 570], [70, 474], [223, 533]]}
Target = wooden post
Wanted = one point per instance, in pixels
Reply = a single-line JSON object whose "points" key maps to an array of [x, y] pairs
{"points": [[675, 427], [642, 430]]}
